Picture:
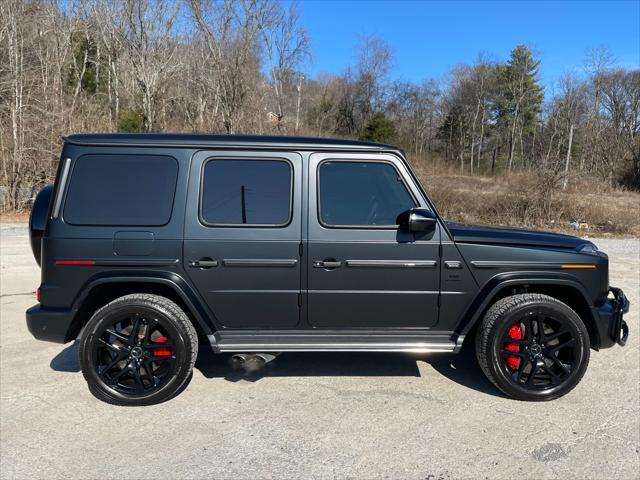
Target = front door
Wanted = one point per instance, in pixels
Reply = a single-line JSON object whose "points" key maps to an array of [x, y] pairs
{"points": [[243, 234], [363, 271]]}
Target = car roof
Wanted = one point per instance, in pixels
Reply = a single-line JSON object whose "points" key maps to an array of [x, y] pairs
{"points": [[227, 141]]}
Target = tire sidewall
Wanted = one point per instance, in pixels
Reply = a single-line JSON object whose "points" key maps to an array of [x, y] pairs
{"points": [[104, 318], [499, 369]]}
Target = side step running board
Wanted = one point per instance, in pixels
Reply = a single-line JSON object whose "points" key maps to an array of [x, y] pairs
{"points": [[320, 342]]}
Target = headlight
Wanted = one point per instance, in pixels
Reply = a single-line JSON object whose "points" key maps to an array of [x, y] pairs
{"points": [[588, 249]]}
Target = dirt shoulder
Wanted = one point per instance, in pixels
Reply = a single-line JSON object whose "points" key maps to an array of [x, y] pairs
{"points": [[585, 208], [14, 217]]}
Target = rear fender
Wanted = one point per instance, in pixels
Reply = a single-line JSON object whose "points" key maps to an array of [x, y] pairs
{"points": [[196, 309]]}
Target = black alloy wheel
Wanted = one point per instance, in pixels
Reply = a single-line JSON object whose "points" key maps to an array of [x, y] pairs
{"points": [[539, 350], [533, 347], [138, 350], [135, 355]]}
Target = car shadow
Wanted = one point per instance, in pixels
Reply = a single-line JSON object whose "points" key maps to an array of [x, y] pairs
{"points": [[462, 368], [311, 364], [67, 360]]}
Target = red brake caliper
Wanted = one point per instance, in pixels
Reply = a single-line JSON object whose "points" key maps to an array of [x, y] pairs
{"points": [[161, 351], [516, 333]]}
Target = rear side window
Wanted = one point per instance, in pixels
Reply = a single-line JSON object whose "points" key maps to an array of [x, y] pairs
{"points": [[246, 192], [121, 190], [361, 194]]}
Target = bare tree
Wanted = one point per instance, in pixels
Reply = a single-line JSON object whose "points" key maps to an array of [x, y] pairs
{"points": [[13, 75], [150, 47], [230, 31], [374, 58], [287, 48], [77, 65], [110, 21], [483, 77]]}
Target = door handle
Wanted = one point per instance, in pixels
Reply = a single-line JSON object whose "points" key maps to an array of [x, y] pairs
{"points": [[203, 263], [326, 264]]}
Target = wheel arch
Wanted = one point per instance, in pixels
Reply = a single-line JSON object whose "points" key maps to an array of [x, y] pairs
{"points": [[99, 291], [561, 287]]}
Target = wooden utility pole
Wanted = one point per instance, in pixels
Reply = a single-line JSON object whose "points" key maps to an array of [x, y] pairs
{"points": [[566, 164], [299, 88]]}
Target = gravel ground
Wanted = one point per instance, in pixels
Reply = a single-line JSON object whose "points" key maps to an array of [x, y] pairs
{"points": [[313, 415], [615, 246]]}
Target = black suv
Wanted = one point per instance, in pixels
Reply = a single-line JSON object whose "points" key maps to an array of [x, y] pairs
{"points": [[151, 244]]}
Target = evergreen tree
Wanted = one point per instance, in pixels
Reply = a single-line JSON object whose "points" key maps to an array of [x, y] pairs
{"points": [[519, 99], [379, 129]]}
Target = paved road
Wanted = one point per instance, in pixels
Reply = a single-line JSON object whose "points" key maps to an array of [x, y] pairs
{"points": [[313, 415]]}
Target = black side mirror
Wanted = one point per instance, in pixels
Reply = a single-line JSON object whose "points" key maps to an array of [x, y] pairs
{"points": [[417, 220]]}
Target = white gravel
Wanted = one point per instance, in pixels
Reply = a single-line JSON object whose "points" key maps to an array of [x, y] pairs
{"points": [[618, 246]]}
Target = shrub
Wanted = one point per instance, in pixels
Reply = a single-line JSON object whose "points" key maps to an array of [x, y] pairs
{"points": [[379, 129], [130, 121]]}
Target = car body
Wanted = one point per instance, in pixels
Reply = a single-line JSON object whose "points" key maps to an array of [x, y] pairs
{"points": [[275, 244]]}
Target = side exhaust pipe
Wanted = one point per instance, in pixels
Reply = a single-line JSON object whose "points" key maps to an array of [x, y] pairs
{"points": [[251, 362]]}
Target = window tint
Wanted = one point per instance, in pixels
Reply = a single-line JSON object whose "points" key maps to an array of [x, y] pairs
{"points": [[121, 190], [246, 192], [361, 193]]}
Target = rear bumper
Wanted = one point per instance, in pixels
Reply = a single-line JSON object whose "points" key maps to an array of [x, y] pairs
{"points": [[610, 316], [48, 324]]}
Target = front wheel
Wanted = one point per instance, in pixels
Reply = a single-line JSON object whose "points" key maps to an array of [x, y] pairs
{"points": [[138, 350], [533, 347]]}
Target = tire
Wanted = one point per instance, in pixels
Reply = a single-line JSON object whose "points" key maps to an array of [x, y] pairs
{"points": [[138, 350], [529, 362]]}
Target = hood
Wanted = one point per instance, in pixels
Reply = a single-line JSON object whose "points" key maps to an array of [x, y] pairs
{"points": [[512, 236]]}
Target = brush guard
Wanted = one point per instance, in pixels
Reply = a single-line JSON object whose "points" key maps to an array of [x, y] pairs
{"points": [[621, 306]]}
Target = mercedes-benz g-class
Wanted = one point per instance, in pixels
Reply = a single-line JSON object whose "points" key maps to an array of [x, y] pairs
{"points": [[151, 244]]}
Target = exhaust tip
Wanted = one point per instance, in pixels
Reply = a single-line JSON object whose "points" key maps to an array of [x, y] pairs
{"points": [[250, 362]]}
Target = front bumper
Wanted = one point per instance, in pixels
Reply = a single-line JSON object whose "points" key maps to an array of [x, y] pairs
{"points": [[48, 324], [611, 326]]}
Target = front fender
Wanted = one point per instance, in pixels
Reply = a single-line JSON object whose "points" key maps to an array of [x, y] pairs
{"points": [[487, 294]]}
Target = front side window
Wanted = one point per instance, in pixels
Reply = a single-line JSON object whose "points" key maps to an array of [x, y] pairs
{"points": [[361, 194], [121, 190], [246, 192]]}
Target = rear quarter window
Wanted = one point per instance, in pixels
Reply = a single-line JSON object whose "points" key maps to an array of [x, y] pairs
{"points": [[121, 190]]}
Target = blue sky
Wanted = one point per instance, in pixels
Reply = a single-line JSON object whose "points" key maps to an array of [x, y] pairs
{"points": [[430, 37]]}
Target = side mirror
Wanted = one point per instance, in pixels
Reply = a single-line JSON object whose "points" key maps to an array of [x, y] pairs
{"points": [[417, 220]]}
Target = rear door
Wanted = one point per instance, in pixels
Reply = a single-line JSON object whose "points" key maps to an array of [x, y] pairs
{"points": [[363, 271], [243, 234]]}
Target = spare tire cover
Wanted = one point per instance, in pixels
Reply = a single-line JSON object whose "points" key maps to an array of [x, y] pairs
{"points": [[38, 220]]}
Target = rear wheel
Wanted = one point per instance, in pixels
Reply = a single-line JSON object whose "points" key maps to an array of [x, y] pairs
{"points": [[138, 350], [533, 347]]}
